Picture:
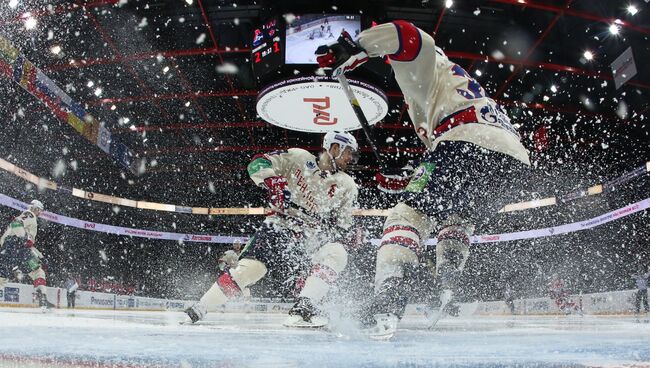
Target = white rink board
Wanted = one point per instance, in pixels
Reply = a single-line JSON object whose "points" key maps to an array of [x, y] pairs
{"points": [[616, 302]]}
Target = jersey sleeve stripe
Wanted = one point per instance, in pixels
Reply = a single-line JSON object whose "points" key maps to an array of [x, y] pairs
{"points": [[258, 164], [410, 41]]}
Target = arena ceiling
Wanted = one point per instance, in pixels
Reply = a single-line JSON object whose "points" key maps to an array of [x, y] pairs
{"points": [[172, 79]]}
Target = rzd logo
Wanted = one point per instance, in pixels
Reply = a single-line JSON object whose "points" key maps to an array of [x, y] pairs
{"points": [[320, 105]]}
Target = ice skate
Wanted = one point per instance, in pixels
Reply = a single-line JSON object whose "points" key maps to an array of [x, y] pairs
{"points": [[304, 315], [195, 313], [384, 327], [434, 316], [43, 303]]}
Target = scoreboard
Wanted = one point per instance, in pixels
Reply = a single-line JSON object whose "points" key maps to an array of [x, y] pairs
{"points": [[268, 47]]}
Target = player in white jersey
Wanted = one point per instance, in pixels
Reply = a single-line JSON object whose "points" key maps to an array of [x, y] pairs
{"points": [[465, 177], [18, 254], [311, 201]]}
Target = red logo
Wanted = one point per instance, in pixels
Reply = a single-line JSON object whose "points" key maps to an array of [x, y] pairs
{"points": [[320, 105], [201, 237], [88, 225], [332, 190]]}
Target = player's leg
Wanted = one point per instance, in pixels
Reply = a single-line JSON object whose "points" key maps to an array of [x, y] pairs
{"points": [[327, 263], [229, 285], [250, 269], [39, 281], [452, 252], [405, 229]]}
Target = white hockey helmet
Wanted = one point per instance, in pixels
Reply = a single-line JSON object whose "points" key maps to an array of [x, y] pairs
{"points": [[36, 204], [343, 139]]}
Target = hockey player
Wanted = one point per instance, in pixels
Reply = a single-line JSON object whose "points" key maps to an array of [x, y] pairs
{"points": [[230, 258], [473, 151], [311, 201], [560, 295], [18, 255], [641, 279]]}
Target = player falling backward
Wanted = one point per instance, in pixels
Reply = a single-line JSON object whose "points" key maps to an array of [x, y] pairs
{"points": [[19, 256], [465, 176], [311, 200]]}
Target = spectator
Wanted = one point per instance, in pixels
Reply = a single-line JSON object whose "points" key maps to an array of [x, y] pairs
{"points": [[71, 285], [642, 293], [509, 297]]}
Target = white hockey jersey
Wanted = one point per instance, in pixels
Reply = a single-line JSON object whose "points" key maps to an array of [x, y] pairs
{"points": [[317, 198], [23, 226], [444, 102]]}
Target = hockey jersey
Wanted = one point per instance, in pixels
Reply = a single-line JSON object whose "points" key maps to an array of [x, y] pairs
{"points": [[444, 102], [23, 226], [317, 197]]}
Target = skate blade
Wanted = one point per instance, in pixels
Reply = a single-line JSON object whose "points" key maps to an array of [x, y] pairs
{"points": [[381, 337], [298, 322], [433, 317]]}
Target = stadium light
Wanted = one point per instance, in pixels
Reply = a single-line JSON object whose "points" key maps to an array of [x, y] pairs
{"points": [[632, 9], [588, 55]]}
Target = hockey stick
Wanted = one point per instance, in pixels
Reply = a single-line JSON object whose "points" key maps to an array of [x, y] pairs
{"points": [[349, 93]]}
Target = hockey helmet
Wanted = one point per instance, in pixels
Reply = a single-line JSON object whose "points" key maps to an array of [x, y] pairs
{"points": [[344, 140], [36, 204]]}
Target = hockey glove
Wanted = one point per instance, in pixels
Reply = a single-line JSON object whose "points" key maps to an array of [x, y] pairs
{"points": [[340, 57], [279, 196], [394, 181]]}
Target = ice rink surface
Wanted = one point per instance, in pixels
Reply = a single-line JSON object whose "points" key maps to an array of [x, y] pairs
{"points": [[65, 338]]}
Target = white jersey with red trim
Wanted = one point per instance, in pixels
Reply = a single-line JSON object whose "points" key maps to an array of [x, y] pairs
{"points": [[444, 102], [317, 197], [23, 226]]}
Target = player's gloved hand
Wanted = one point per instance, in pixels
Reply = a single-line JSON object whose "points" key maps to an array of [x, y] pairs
{"points": [[29, 243], [394, 180], [222, 265], [279, 196], [342, 56]]}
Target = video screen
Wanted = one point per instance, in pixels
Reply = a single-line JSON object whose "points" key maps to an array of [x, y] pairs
{"points": [[308, 31]]}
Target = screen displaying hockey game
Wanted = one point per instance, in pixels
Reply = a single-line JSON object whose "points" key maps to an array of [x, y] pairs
{"points": [[306, 32]]}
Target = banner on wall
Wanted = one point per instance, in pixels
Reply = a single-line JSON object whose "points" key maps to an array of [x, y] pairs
{"points": [[14, 65], [204, 238]]}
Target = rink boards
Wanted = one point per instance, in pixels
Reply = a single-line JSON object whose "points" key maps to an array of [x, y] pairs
{"points": [[21, 295]]}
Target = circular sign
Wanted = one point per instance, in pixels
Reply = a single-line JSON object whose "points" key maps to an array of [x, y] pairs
{"points": [[318, 104]]}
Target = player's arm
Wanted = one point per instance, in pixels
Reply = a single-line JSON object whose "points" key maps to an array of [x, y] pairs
{"points": [[271, 170], [341, 221], [274, 164], [26, 221], [349, 203], [399, 40]]}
